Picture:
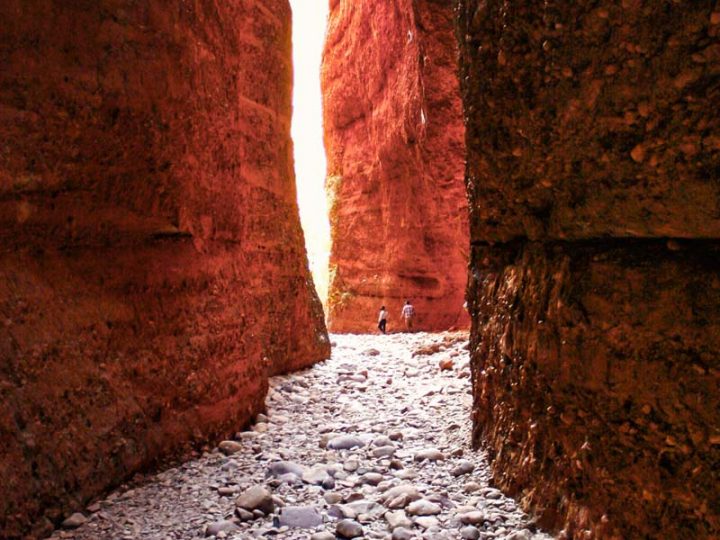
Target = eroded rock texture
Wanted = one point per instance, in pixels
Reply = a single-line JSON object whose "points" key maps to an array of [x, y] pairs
{"points": [[593, 174], [152, 271], [394, 138]]}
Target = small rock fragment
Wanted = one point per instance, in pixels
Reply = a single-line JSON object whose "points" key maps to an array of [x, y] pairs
{"points": [[401, 533], [429, 454], [74, 521], [300, 517], [224, 526], [345, 442], [446, 364], [398, 519], [256, 498], [230, 447], [472, 518], [463, 467], [423, 507], [323, 536], [348, 528]]}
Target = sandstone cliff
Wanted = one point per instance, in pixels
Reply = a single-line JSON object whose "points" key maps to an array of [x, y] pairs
{"points": [[152, 266], [593, 168], [394, 137]]}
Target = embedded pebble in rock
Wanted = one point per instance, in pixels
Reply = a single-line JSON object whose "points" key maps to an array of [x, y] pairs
{"points": [[339, 445]]}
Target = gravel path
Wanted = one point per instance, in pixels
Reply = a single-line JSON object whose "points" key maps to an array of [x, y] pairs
{"points": [[373, 443]]}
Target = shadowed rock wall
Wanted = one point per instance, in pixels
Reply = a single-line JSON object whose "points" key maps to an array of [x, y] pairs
{"points": [[394, 137], [152, 265], [594, 179]]}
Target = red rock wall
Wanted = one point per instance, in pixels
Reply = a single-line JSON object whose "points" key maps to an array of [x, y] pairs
{"points": [[593, 174], [394, 138], [152, 265]]}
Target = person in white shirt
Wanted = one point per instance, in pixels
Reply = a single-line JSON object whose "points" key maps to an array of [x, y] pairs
{"points": [[382, 320], [408, 314]]}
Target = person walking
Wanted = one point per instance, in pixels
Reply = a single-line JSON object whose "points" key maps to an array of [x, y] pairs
{"points": [[382, 320], [408, 314]]}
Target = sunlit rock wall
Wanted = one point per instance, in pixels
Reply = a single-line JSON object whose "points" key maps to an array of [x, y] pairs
{"points": [[152, 266], [394, 137], [594, 178]]}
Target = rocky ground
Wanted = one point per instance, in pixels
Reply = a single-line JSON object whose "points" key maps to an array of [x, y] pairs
{"points": [[373, 443]]}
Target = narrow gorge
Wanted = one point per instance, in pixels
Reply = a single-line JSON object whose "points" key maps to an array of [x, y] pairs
{"points": [[544, 175]]}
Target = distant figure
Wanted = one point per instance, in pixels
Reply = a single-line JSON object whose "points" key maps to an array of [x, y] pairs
{"points": [[382, 320], [408, 313]]}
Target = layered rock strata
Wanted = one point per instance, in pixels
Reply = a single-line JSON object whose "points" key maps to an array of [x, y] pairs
{"points": [[394, 139], [593, 159], [152, 269]]}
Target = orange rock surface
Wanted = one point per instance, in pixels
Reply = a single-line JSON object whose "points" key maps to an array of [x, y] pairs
{"points": [[593, 165], [152, 268], [394, 138]]}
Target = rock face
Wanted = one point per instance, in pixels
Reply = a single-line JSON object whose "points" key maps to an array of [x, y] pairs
{"points": [[592, 120], [152, 269], [593, 159], [394, 138]]}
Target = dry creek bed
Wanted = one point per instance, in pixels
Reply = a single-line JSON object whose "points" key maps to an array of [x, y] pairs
{"points": [[373, 443]]}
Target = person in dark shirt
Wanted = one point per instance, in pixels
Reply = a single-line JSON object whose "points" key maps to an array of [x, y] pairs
{"points": [[382, 320]]}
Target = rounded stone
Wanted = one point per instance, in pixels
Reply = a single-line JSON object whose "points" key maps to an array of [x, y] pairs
{"points": [[469, 533], [348, 528]]}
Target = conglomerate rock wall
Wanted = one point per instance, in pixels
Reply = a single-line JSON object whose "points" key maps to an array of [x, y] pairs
{"points": [[394, 139], [593, 171], [152, 265]]}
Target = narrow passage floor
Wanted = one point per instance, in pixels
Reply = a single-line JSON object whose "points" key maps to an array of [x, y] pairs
{"points": [[373, 443]]}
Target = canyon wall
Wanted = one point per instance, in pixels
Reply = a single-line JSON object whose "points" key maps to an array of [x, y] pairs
{"points": [[594, 183], [394, 139], [152, 265]]}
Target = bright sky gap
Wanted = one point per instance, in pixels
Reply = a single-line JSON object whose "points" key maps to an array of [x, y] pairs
{"points": [[309, 23]]}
